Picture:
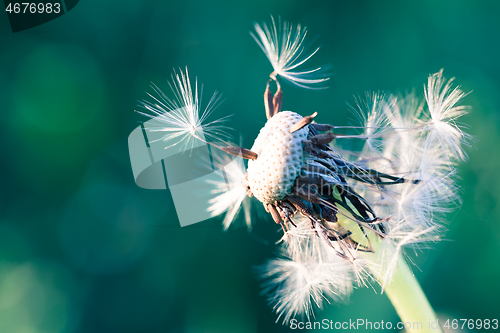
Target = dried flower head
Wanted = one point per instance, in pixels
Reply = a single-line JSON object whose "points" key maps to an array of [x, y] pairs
{"points": [[345, 215]]}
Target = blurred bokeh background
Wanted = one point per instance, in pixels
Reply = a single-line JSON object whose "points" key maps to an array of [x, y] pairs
{"points": [[83, 249]]}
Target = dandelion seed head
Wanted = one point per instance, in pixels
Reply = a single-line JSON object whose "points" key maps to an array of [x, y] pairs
{"points": [[347, 215], [406, 172]]}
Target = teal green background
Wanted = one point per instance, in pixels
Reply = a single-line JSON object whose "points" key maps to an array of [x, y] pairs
{"points": [[83, 249]]}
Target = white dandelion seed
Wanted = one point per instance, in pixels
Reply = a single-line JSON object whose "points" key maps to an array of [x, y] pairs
{"points": [[372, 112], [387, 256], [443, 106], [231, 191], [307, 275], [283, 46], [180, 118]]}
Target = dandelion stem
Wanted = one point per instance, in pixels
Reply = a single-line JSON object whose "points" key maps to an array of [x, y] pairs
{"points": [[410, 302]]}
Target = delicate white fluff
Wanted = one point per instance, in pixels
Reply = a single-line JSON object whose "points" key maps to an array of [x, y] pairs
{"points": [[231, 191], [388, 257], [404, 137], [307, 274], [420, 141], [283, 46], [372, 113], [409, 147], [180, 117], [442, 102], [182, 123]]}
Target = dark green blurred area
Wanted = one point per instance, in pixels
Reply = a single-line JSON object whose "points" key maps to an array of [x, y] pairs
{"points": [[83, 249]]}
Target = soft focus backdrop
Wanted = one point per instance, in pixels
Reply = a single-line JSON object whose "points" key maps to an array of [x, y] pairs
{"points": [[83, 249]]}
